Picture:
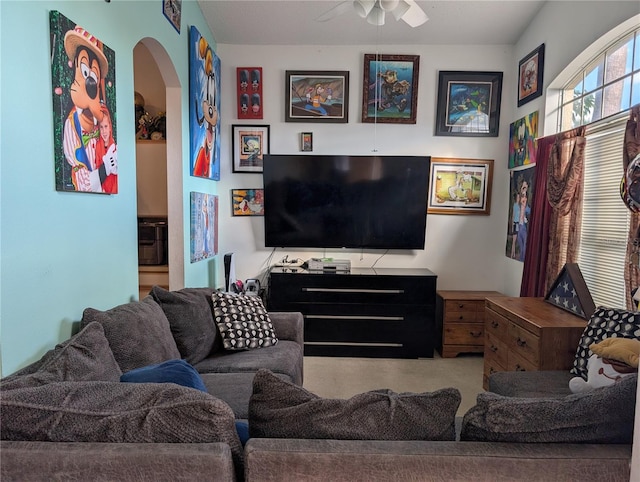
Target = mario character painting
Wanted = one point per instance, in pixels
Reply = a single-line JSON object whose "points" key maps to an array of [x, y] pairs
{"points": [[84, 120], [204, 88]]}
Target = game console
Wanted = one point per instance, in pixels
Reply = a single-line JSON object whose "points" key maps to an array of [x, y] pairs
{"points": [[329, 264]]}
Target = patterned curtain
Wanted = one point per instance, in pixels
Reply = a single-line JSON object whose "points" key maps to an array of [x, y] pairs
{"points": [[630, 151], [556, 215]]}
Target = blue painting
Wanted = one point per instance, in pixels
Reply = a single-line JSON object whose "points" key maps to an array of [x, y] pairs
{"points": [[204, 107]]}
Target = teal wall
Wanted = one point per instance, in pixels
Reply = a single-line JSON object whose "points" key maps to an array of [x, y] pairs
{"points": [[63, 252]]}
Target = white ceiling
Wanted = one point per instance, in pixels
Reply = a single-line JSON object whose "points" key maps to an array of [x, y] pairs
{"points": [[292, 22]]}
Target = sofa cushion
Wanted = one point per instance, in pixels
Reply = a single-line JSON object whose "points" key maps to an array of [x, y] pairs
{"points": [[243, 321], [179, 372], [117, 412], [190, 315], [280, 409], [138, 333], [604, 415], [84, 356], [604, 323]]}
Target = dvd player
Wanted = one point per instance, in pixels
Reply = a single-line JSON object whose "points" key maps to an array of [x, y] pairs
{"points": [[329, 264]]}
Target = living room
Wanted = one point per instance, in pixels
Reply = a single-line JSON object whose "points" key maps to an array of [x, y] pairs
{"points": [[63, 252]]}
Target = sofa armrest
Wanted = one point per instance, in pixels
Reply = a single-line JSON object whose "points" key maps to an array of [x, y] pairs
{"points": [[288, 325], [44, 461], [348, 460]]}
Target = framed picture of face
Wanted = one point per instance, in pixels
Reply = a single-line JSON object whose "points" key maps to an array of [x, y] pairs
{"points": [[530, 71], [250, 144], [317, 96], [468, 104]]}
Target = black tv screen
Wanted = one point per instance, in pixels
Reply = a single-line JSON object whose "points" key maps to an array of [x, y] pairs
{"points": [[334, 201]]}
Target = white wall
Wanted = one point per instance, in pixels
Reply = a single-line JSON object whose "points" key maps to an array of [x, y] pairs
{"points": [[466, 252]]}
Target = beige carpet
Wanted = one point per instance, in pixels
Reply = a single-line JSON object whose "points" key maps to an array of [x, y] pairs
{"points": [[336, 377]]}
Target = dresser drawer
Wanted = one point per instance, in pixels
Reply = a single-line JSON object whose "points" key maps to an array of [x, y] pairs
{"points": [[492, 365], [464, 305], [524, 344], [464, 334], [516, 363], [495, 349], [460, 316], [497, 325]]}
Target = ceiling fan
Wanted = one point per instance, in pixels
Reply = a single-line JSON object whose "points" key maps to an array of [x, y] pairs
{"points": [[375, 11]]}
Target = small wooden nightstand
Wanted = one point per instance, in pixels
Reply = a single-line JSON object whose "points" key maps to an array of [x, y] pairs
{"points": [[460, 321]]}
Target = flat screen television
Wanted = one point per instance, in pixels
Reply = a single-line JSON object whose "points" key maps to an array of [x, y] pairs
{"points": [[340, 201]]}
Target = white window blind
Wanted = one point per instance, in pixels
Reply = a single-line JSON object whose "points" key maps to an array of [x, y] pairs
{"points": [[605, 218]]}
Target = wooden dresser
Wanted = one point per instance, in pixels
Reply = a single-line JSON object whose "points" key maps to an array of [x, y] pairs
{"points": [[460, 321], [528, 334]]}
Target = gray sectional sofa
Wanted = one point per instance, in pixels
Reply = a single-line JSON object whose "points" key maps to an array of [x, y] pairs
{"points": [[69, 417]]}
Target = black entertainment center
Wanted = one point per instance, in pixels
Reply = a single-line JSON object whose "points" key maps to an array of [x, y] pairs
{"points": [[366, 312]]}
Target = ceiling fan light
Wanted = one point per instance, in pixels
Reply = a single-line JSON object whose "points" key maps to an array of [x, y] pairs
{"points": [[363, 7], [415, 16], [401, 9], [376, 16], [388, 5]]}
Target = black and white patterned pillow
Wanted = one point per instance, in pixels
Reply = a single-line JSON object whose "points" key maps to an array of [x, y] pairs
{"points": [[243, 321], [604, 323]]}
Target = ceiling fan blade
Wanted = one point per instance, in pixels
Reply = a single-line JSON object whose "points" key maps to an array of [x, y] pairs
{"points": [[415, 16], [335, 11]]}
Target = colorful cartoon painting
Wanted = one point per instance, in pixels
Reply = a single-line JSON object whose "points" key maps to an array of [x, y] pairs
{"points": [[204, 107], [249, 92], [522, 138], [521, 199], [390, 92], [248, 202], [84, 109], [460, 186], [204, 226], [317, 96]]}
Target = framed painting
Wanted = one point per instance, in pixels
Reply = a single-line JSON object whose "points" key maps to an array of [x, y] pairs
{"points": [[390, 88], [521, 198], [83, 91], [250, 144], [460, 186], [468, 104], [530, 72], [249, 92], [317, 96], [522, 138], [204, 107], [570, 292], [172, 9], [204, 226], [247, 202], [306, 141]]}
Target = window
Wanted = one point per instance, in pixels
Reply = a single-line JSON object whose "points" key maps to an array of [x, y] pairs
{"points": [[598, 97]]}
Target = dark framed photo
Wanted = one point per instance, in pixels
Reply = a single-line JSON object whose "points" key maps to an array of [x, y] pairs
{"points": [[530, 71], [306, 141], [317, 96], [460, 186], [390, 88], [247, 202], [250, 144], [569, 292], [172, 9], [468, 104]]}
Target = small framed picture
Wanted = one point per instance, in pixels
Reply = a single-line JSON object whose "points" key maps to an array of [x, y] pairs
{"points": [[172, 9], [250, 144], [530, 71], [249, 92], [306, 141], [460, 186], [317, 96], [247, 202], [468, 104]]}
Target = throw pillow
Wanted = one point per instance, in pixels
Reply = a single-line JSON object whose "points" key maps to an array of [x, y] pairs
{"points": [[84, 356], [138, 333], [117, 412], [281, 409], [603, 415], [243, 321], [190, 315], [604, 323], [172, 371]]}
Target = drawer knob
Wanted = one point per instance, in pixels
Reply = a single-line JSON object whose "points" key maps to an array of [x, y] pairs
{"points": [[494, 324], [491, 371], [520, 369], [493, 348], [461, 305], [475, 334], [521, 343], [461, 317]]}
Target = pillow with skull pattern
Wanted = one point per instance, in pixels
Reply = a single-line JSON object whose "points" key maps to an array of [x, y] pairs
{"points": [[243, 321]]}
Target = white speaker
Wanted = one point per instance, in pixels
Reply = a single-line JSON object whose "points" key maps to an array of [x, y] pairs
{"points": [[229, 271]]}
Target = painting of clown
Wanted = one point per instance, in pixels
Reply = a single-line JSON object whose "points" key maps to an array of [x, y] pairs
{"points": [[204, 107], [84, 109]]}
